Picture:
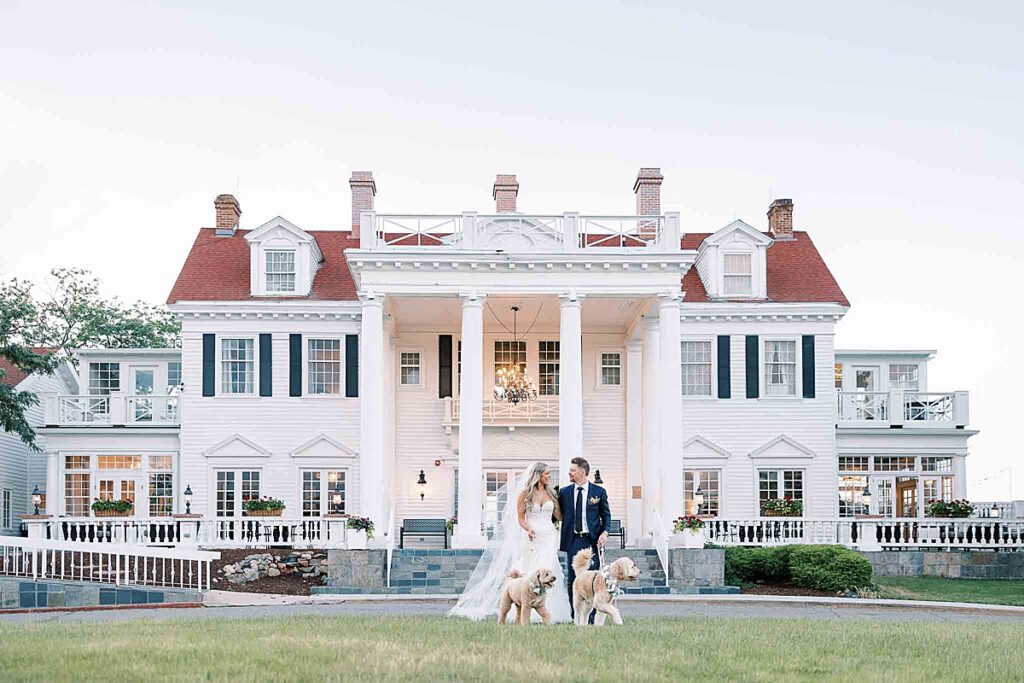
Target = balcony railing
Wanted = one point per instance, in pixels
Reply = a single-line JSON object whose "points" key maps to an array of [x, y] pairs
{"points": [[566, 232], [115, 410], [898, 408], [538, 413]]}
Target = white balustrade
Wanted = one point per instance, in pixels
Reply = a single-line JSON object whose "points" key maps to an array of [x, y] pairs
{"points": [[120, 564], [113, 410], [264, 532], [909, 409], [536, 412]]}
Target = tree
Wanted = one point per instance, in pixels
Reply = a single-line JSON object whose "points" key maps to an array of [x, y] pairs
{"points": [[73, 315]]}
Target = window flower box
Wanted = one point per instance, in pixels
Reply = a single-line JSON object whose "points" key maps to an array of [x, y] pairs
{"points": [[112, 508], [263, 507], [781, 507]]}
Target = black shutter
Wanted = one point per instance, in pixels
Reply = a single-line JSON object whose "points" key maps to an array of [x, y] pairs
{"points": [[352, 365], [724, 368], [753, 384], [209, 363], [295, 365], [807, 354], [444, 366], [266, 366]]}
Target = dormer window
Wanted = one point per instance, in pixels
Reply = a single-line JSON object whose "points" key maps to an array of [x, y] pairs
{"points": [[280, 270], [738, 275]]}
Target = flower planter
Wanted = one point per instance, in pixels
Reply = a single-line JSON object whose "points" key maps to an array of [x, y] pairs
{"points": [[264, 513], [356, 539], [776, 513], [113, 513], [687, 538]]}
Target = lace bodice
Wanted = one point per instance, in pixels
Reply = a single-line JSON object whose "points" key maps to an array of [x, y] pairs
{"points": [[539, 516]]}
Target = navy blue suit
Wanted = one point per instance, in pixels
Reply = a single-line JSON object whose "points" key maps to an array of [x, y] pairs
{"points": [[598, 516]]}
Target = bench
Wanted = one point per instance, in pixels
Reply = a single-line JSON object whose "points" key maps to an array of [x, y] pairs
{"points": [[615, 528], [423, 527]]}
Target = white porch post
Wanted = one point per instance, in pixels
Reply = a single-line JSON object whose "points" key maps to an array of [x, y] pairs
{"points": [[54, 497], [634, 439], [471, 424], [570, 384], [371, 412], [651, 459], [671, 403]]}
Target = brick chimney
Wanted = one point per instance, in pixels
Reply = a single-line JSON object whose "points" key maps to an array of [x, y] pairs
{"points": [[363, 191], [648, 191], [505, 190], [780, 219], [227, 212]]}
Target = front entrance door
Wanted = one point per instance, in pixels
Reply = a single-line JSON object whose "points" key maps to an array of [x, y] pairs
{"points": [[906, 497]]}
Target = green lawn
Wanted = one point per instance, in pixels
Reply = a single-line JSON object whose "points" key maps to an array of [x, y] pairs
{"points": [[432, 648], [988, 591]]}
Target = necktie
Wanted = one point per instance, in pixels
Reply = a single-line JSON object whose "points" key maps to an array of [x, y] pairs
{"points": [[578, 510]]}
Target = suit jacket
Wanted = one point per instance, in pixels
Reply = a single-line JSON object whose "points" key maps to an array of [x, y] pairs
{"points": [[599, 516]]}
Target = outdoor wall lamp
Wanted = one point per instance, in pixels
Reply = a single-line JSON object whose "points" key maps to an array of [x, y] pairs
{"points": [[422, 483], [865, 496], [994, 512], [37, 498], [188, 500], [597, 477], [336, 501]]}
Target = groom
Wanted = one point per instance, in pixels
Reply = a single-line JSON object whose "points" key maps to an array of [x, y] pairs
{"points": [[585, 517]]}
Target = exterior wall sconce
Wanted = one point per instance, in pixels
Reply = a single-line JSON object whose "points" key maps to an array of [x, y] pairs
{"points": [[422, 484], [698, 498], [994, 512], [597, 477], [336, 502], [188, 500], [37, 498], [865, 497]]}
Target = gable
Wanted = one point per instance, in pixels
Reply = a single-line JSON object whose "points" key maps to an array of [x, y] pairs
{"points": [[700, 448], [323, 446], [236, 446], [782, 448], [737, 232]]}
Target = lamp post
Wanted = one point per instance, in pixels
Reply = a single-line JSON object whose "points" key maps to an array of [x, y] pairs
{"points": [[422, 484], [188, 500], [37, 498], [698, 498], [994, 512]]}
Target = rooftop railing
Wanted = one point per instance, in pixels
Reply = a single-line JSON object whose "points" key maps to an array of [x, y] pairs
{"points": [[114, 410], [899, 408]]}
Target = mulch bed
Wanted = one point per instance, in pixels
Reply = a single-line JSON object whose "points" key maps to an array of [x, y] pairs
{"points": [[781, 589], [286, 584]]}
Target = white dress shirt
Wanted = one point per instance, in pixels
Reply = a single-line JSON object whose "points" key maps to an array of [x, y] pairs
{"points": [[586, 496]]}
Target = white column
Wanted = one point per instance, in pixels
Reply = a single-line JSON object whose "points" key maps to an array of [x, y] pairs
{"points": [[634, 439], [570, 384], [671, 403], [471, 425], [54, 493], [371, 413], [651, 458]]}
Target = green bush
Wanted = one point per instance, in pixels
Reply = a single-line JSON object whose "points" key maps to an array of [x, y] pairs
{"points": [[828, 568], [823, 567]]}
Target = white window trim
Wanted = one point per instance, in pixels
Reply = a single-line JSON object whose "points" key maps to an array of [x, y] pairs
{"points": [[599, 384], [239, 508], [721, 484], [324, 502], [220, 393], [422, 366], [797, 394], [306, 393], [733, 252], [714, 367], [265, 253], [888, 376], [780, 469]]}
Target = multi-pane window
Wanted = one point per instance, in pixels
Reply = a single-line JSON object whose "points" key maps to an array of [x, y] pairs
{"points": [[851, 492], [237, 366], [280, 271], [250, 485], [336, 492], [323, 492], [104, 378], [780, 484], [225, 494], [936, 464], [5, 508], [547, 369], [611, 369], [324, 366], [894, 463], [174, 382], [76, 485], [780, 367], [839, 375], [509, 353], [161, 494], [409, 368], [234, 488], [853, 463], [696, 368], [709, 483], [904, 376], [119, 462], [738, 278], [311, 494], [495, 497], [947, 488]]}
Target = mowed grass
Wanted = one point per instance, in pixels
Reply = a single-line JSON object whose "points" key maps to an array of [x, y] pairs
{"points": [[436, 648], [986, 591]]}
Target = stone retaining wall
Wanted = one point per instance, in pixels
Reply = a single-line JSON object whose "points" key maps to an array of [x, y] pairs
{"points": [[356, 569], [694, 567], [966, 564], [18, 593]]}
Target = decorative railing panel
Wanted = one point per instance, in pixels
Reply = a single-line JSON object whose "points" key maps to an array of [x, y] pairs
{"points": [[910, 409], [540, 412], [115, 410]]}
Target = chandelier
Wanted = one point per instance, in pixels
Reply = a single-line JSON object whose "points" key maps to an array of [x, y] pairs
{"points": [[512, 384]]}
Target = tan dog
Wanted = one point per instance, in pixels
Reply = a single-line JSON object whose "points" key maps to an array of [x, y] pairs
{"points": [[527, 594], [591, 589]]}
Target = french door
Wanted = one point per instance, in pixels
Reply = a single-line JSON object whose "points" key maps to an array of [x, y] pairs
{"points": [[120, 488], [143, 382]]}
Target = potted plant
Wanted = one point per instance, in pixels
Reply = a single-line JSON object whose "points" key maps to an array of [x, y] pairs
{"points": [[452, 523], [360, 530], [689, 532], [112, 508], [263, 507], [952, 508], [781, 507]]}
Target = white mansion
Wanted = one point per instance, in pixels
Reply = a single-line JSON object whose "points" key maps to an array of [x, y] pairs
{"points": [[355, 372]]}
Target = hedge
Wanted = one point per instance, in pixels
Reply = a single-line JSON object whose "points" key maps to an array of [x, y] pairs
{"points": [[822, 567]]}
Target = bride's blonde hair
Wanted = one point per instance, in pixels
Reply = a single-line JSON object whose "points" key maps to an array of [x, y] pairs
{"points": [[532, 479]]}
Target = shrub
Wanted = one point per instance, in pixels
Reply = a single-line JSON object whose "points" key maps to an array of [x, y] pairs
{"points": [[757, 565], [828, 568], [361, 524], [953, 508]]}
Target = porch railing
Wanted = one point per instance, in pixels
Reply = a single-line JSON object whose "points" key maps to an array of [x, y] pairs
{"points": [[539, 412], [120, 564], [898, 408], [115, 410], [565, 232]]}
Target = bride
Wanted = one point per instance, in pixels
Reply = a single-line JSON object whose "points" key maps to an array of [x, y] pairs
{"points": [[525, 539]]}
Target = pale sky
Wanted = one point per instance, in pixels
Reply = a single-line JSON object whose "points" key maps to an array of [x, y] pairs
{"points": [[895, 129]]}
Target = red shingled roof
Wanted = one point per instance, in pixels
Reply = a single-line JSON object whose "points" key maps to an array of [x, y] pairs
{"points": [[217, 269], [796, 273], [12, 375]]}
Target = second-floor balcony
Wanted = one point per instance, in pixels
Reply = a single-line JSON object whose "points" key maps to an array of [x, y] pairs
{"points": [[114, 410], [542, 412], [898, 408]]}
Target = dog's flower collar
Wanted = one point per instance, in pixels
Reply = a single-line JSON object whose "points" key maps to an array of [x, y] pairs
{"points": [[609, 580], [539, 589]]}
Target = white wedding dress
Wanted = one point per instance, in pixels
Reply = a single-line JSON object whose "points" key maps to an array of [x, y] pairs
{"points": [[511, 548]]}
